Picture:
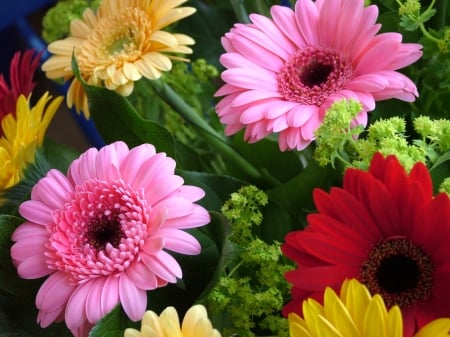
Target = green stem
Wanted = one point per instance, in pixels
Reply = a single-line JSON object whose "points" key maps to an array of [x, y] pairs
{"points": [[216, 140], [441, 11], [427, 34]]}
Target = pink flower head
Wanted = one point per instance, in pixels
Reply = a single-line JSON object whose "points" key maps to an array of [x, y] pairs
{"points": [[101, 234], [284, 73], [21, 73]]}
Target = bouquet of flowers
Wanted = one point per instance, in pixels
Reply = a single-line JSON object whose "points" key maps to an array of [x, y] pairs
{"points": [[264, 168]]}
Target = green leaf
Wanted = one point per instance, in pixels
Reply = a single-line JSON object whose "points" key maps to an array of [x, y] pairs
{"points": [[113, 324], [116, 119], [58, 155], [295, 196], [10, 282], [267, 157], [21, 191], [18, 319], [206, 27], [217, 187]]}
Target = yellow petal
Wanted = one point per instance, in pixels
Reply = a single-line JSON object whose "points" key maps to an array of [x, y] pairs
{"points": [[375, 318], [437, 328]]}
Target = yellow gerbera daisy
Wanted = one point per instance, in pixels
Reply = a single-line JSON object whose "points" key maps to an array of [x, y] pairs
{"points": [[22, 135], [355, 314], [119, 44], [195, 324]]}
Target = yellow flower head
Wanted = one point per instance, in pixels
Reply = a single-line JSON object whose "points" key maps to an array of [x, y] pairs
{"points": [[355, 314], [119, 44], [195, 324], [22, 135]]}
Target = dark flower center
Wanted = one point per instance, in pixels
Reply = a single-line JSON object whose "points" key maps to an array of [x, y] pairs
{"points": [[102, 231], [315, 73], [312, 74], [400, 271]]}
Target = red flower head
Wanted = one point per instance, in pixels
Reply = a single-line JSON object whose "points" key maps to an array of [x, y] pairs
{"points": [[385, 228], [21, 73]]}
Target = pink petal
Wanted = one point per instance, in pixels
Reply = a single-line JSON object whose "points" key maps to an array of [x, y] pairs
{"points": [[92, 307], [175, 207], [236, 60], [159, 189], [163, 265], [180, 241], [153, 244], [249, 79], [307, 17], [327, 23], [192, 193], [109, 159], [110, 295], [132, 163], [29, 245], [159, 164], [29, 230], [54, 292], [348, 24], [292, 138], [300, 114], [197, 218], [33, 267], [375, 57], [368, 82], [36, 211], [258, 48], [142, 276], [84, 168], [54, 190], [251, 96], [228, 89], [133, 299], [284, 18], [75, 310], [45, 318], [271, 30]]}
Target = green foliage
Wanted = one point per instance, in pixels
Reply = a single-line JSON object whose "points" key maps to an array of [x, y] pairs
{"points": [[248, 297], [56, 22], [336, 132]]}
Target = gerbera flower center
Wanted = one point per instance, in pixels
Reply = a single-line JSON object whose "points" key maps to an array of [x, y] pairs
{"points": [[312, 74], [399, 270], [100, 232], [115, 40]]}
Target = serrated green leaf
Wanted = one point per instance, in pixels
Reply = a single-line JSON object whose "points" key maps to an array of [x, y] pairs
{"points": [[21, 191]]}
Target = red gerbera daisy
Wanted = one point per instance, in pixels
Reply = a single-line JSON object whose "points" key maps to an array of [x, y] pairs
{"points": [[385, 228], [21, 73]]}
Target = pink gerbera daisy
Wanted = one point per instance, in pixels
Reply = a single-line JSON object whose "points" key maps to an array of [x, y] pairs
{"points": [[384, 228], [284, 73], [101, 234]]}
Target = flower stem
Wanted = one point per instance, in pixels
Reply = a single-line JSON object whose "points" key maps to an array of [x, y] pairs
{"points": [[216, 140]]}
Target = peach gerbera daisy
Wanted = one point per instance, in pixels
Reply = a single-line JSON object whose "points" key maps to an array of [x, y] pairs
{"points": [[117, 45]]}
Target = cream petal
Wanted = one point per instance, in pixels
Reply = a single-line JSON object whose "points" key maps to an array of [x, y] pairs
{"points": [[164, 38], [131, 72]]}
